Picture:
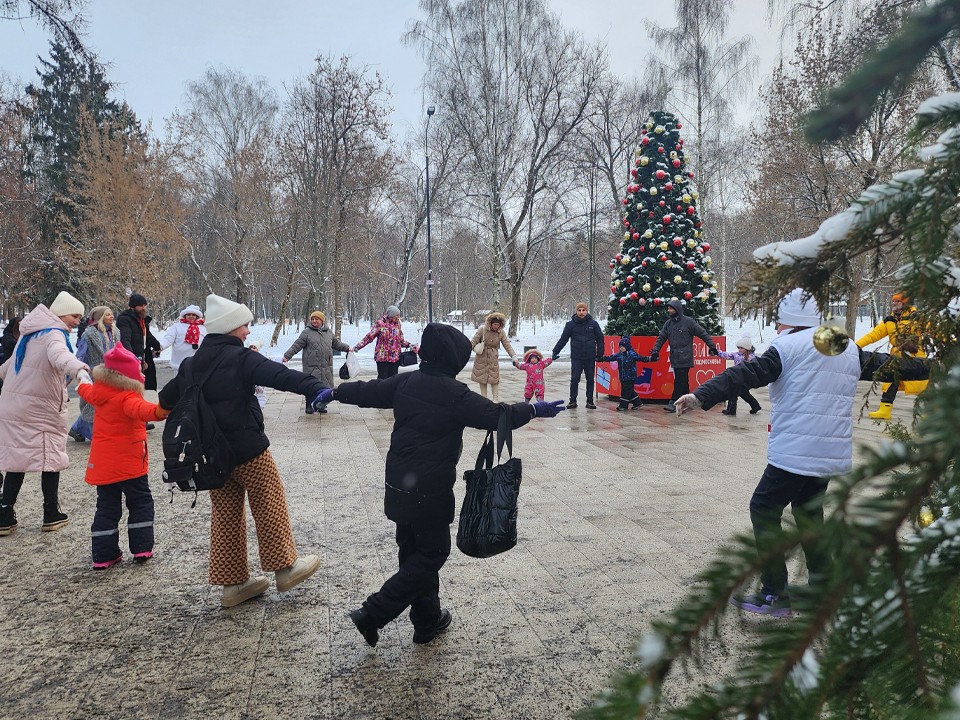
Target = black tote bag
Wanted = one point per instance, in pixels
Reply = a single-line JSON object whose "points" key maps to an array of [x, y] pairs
{"points": [[488, 518]]}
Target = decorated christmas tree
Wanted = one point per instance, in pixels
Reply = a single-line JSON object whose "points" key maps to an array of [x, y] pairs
{"points": [[664, 254]]}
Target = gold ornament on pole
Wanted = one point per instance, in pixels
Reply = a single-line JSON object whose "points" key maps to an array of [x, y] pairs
{"points": [[830, 339], [925, 517]]}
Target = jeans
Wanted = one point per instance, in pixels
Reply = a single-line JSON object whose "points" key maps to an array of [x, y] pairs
{"points": [[423, 550], [105, 530], [577, 367], [777, 489]]}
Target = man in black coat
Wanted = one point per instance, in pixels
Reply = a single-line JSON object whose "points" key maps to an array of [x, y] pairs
{"points": [[431, 409], [586, 347], [679, 330], [135, 335]]}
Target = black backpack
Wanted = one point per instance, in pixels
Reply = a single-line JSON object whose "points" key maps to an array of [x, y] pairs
{"points": [[196, 453]]}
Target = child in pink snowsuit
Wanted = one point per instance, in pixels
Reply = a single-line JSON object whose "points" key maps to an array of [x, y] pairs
{"points": [[534, 364]]}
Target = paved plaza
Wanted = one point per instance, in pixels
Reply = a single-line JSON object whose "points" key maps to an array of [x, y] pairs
{"points": [[619, 512]]}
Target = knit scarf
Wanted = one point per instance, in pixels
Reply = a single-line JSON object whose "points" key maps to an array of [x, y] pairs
{"points": [[21, 350], [193, 331]]}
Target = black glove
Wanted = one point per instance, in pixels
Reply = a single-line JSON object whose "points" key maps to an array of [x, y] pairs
{"points": [[645, 359], [547, 409], [714, 351], [654, 358]]}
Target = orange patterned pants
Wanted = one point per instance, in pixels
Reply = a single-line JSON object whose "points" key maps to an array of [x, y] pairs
{"points": [[258, 480]]}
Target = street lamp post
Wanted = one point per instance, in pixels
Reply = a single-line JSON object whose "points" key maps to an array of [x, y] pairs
{"points": [[426, 144]]}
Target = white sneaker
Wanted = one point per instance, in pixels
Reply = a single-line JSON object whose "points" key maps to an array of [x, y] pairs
{"points": [[302, 568], [251, 588]]}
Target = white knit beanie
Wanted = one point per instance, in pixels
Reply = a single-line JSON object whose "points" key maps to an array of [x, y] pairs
{"points": [[66, 304], [745, 343], [225, 315], [393, 311], [191, 309], [793, 310]]}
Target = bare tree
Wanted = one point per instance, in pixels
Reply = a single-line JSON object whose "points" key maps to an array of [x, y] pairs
{"points": [[226, 133], [518, 86], [63, 18]]}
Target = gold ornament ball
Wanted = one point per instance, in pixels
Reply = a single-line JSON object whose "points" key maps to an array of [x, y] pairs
{"points": [[617, 283], [626, 236], [925, 518], [625, 260], [686, 199], [678, 179], [639, 152], [691, 243], [659, 129], [644, 161], [830, 340], [664, 245], [695, 195], [648, 124], [648, 234], [677, 279], [705, 277], [653, 191], [673, 154], [713, 283], [668, 264], [708, 260], [646, 287]]}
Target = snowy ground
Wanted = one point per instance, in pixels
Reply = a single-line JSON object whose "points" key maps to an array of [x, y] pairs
{"points": [[543, 337]]}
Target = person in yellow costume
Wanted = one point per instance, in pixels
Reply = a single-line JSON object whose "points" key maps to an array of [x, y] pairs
{"points": [[905, 339]]}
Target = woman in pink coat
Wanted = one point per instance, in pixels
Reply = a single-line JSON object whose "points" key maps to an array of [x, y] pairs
{"points": [[33, 407]]}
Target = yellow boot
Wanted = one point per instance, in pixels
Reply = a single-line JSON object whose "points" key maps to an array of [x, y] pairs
{"points": [[883, 413]]}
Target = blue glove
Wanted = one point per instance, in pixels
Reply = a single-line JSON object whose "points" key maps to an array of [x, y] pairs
{"points": [[547, 409], [322, 398]]}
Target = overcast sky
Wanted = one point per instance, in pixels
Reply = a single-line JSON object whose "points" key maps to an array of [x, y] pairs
{"points": [[152, 49]]}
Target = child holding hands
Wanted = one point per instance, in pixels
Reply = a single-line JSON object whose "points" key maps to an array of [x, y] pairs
{"points": [[118, 456], [534, 364], [627, 360], [745, 353]]}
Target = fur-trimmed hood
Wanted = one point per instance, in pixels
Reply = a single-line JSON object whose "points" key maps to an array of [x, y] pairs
{"points": [[529, 355], [496, 316], [101, 373]]}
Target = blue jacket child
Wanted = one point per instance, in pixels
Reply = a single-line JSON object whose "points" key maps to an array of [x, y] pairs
{"points": [[627, 360]]}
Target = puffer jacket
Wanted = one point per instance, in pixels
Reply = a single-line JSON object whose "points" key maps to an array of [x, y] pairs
{"points": [[431, 408], [679, 332], [229, 391], [486, 366], [318, 345], [33, 406], [585, 337], [389, 337], [626, 361], [902, 331], [119, 448]]}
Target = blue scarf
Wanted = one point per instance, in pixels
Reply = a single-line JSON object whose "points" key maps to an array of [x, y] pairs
{"points": [[21, 349]]}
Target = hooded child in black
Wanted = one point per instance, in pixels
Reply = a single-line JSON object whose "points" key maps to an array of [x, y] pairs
{"points": [[626, 361], [431, 409]]}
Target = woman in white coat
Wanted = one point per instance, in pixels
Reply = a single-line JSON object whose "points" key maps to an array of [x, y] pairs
{"points": [[33, 407], [184, 336]]}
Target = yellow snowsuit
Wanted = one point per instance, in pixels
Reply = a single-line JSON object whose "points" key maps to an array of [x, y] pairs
{"points": [[901, 331]]}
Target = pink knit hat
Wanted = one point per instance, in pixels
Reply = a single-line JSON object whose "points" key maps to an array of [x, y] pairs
{"points": [[121, 360]]}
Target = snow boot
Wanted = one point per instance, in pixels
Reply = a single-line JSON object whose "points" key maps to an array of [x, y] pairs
{"points": [[53, 518], [8, 520], [883, 413]]}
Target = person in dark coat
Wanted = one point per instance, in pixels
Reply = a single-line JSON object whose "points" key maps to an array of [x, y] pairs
{"points": [[626, 361], [586, 346], [8, 341], [235, 371], [431, 409], [679, 330], [135, 335]]}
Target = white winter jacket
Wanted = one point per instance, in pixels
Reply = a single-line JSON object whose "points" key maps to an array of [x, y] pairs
{"points": [[811, 413]]}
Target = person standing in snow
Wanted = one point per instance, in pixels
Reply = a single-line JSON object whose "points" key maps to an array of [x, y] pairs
{"points": [[317, 341], [486, 344], [745, 353], [679, 331], [586, 347], [184, 336], [811, 436], [33, 408], [390, 341]]}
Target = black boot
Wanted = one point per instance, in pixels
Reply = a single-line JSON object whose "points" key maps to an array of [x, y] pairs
{"points": [[637, 402], [8, 520], [623, 406], [53, 518]]}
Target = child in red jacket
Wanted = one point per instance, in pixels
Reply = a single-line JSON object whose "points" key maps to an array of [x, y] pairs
{"points": [[118, 456]]}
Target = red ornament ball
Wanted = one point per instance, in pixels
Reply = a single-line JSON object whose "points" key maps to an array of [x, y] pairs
{"points": [[660, 174], [679, 145], [633, 172], [667, 219], [677, 242], [690, 174], [626, 223], [636, 236], [690, 265], [691, 210], [650, 214], [679, 208], [611, 266], [626, 202], [633, 296], [679, 126], [644, 140], [668, 187], [658, 302], [623, 301], [706, 246], [642, 301], [643, 264], [687, 295], [629, 278], [663, 203], [660, 150], [676, 163], [698, 224]]}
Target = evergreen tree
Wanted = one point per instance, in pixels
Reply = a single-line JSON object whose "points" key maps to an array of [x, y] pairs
{"points": [[68, 89], [664, 254]]}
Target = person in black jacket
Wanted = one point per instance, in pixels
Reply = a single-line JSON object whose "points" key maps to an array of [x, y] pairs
{"points": [[229, 393], [135, 335], [679, 330], [431, 409], [586, 346], [8, 341]]}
